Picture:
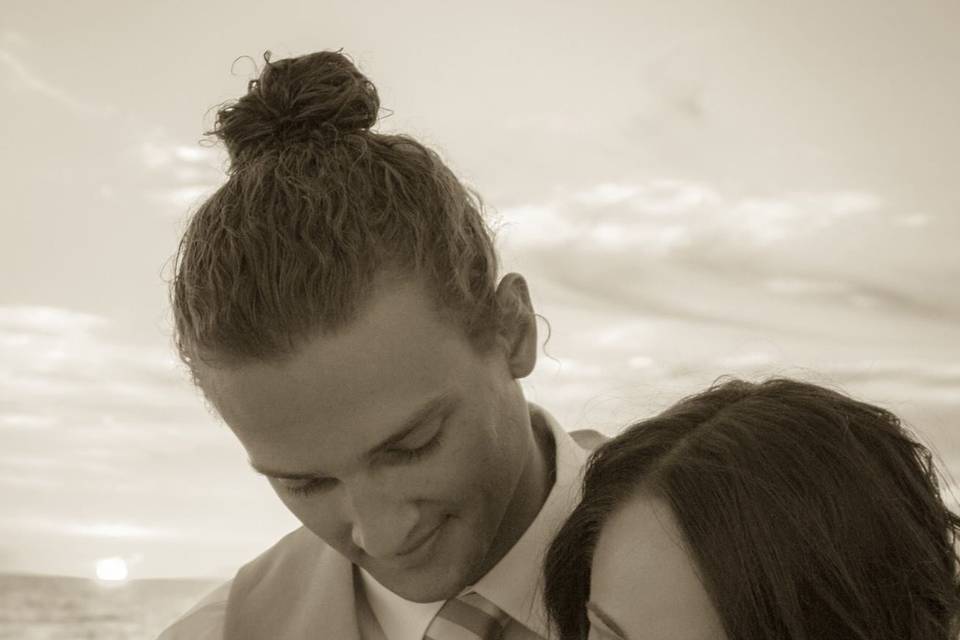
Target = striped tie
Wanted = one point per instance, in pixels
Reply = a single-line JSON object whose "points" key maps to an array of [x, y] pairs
{"points": [[468, 617]]}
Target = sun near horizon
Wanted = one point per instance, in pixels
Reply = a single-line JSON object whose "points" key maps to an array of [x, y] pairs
{"points": [[112, 570]]}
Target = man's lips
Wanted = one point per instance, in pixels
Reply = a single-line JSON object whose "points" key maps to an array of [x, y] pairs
{"points": [[421, 541]]}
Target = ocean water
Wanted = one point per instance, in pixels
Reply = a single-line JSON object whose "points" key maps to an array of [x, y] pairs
{"points": [[58, 608]]}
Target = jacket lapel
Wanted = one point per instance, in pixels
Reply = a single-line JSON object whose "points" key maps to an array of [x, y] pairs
{"points": [[298, 589]]}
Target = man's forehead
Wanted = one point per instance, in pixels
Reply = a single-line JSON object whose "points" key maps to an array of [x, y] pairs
{"points": [[275, 400], [398, 343]]}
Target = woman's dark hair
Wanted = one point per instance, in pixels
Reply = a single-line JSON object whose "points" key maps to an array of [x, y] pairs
{"points": [[809, 515], [317, 206]]}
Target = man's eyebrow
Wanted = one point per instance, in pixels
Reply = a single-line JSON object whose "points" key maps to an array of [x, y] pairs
{"points": [[606, 619], [426, 411]]}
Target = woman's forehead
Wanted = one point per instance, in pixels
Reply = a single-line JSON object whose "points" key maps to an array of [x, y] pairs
{"points": [[644, 577]]}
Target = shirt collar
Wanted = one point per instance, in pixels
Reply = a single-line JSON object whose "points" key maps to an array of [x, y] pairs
{"points": [[398, 618], [514, 583]]}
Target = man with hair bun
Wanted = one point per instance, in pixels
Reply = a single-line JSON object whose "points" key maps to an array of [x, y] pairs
{"points": [[338, 302]]}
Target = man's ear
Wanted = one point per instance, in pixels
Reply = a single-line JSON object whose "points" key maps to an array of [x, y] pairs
{"points": [[518, 325]]}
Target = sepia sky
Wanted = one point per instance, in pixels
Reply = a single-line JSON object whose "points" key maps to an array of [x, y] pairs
{"points": [[692, 189]]}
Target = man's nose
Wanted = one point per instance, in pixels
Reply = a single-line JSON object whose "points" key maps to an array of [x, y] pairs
{"points": [[381, 520]]}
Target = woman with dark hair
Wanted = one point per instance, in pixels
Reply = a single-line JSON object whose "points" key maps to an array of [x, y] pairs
{"points": [[779, 510]]}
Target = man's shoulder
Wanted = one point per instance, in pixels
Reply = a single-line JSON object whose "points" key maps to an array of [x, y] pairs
{"points": [[588, 438], [292, 550], [296, 559], [203, 621], [267, 574]]}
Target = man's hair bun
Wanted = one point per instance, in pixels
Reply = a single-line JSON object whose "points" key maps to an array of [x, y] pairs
{"points": [[313, 98]]}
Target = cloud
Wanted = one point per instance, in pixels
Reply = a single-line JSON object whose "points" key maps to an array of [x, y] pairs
{"points": [[14, 38], [157, 152], [553, 123], [658, 197], [44, 525], [805, 286], [745, 360], [664, 216], [32, 81], [93, 424], [657, 287], [918, 372], [183, 198], [769, 220], [46, 320], [641, 362], [26, 421], [912, 220], [606, 193], [688, 250], [58, 362], [117, 530], [188, 172]]}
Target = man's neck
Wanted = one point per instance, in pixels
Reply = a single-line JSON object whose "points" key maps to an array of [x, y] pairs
{"points": [[535, 483]]}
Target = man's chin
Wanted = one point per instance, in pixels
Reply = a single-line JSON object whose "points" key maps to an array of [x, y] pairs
{"points": [[426, 586], [442, 570]]}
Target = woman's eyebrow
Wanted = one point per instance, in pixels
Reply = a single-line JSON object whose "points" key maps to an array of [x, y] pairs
{"points": [[606, 619]]}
